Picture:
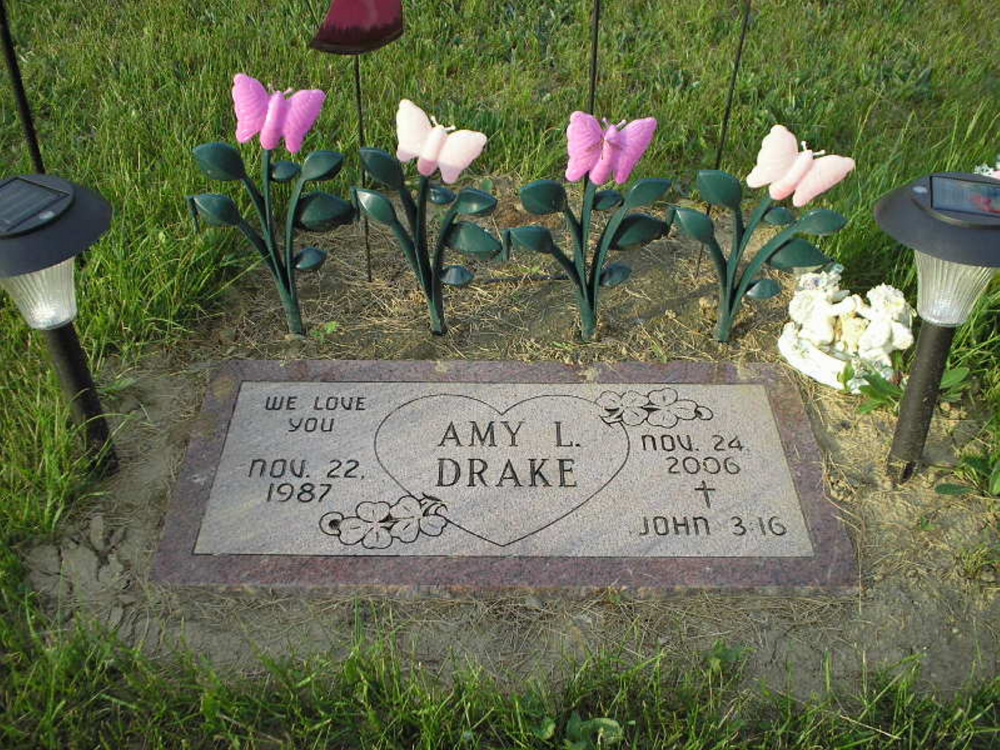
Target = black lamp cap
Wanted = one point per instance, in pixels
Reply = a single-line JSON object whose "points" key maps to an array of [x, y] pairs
{"points": [[908, 216], [39, 241]]}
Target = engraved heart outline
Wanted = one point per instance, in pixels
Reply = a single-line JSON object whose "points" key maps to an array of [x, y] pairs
{"points": [[502, 412]]}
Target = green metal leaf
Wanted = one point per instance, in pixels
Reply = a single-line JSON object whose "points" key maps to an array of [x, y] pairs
{"points": [[376, 206], [952, 489], [637, 230], [322, 165], [694, 224], [309, 259], [779, 216], [456, 276], [217, 210], [615, 274], [543, 197], [821, 221], [383, 166], [220, 161], [763, 289], [605, 200], [473, 202], [284, 171], [534, 238], [441, 196], [467, 237], [719, 188], [647, 191], [797, 253], [319, 211]]}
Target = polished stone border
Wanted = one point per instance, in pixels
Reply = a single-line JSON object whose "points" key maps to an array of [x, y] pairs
{"points": [[832, 568]]}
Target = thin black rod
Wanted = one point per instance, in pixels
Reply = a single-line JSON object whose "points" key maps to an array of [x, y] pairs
{"points": [[70, 363], [22, 100], [595, 28], [919, 399], [720, 149], [359, 106], [732, 85]]}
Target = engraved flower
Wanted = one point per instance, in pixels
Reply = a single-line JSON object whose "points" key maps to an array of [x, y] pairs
{"points": [[628, 407], [414, 517], [667, 409], [369, 527]]}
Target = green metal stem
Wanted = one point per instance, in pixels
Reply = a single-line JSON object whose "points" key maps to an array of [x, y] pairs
{"points": [[755, 219], [601, 252], [574, 225], [269, 237], [406, 243], [762, 256], [259, 245], [257, 199], [293, 314], [410, 208], [420, 236], [290, 213], [586, 213]]}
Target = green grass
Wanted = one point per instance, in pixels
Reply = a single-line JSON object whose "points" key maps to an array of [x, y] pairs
{"points": [[122, 91]]}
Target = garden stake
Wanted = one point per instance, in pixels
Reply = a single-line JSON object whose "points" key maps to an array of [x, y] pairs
{"points": [[274, 117], [594, 154], [778, 153], [362, 177], [420, 139], [23, 110], [352, 29], [594, 31], [725, 116]]}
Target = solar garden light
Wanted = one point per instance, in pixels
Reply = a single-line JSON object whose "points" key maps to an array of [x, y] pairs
{"points": [[45, 222], [952, 222]]}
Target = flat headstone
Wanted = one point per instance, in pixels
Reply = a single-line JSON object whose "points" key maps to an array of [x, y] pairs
{"points": [[416, 475]]}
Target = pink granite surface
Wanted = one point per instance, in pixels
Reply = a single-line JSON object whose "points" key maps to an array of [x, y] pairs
{"points": [[832, 568]]}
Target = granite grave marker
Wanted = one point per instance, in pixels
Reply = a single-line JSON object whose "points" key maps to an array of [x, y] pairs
{"points": [[485, 474]]}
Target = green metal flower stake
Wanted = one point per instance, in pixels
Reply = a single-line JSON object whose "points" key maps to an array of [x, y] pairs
{"points": [[274, 117], [434, 147], [594, 153], [787, 170]]}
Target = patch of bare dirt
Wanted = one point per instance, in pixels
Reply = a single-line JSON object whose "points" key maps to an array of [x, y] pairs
{"points": [[917, 599]]}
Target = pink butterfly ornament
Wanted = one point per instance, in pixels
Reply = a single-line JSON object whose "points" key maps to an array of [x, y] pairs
{"points": [[600, 151], [433, 145], [273, 115], [787, 170]]}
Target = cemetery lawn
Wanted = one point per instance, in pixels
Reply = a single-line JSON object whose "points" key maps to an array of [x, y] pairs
{"points": [[122, 91]]}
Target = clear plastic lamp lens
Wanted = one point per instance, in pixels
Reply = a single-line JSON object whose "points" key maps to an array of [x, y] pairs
{"points": [[46, 298], [948, 291]]}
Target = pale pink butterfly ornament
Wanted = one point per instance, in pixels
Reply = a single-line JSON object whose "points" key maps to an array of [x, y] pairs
{"points": [[787, 170], [602, 151], [273, 115], [433, 145]]}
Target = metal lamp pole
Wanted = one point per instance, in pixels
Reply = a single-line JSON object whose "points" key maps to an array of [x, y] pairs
{"points": [[44, 223], [952, 222]]}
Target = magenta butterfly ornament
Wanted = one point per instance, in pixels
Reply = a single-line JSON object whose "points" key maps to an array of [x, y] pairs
{"points": [[788, 172], [597, 153], [352, 27], [436, 148], [274, 116]]}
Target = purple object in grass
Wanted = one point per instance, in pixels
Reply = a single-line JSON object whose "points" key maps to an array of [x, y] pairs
{"points": [[597, 151], [272, 115]]}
